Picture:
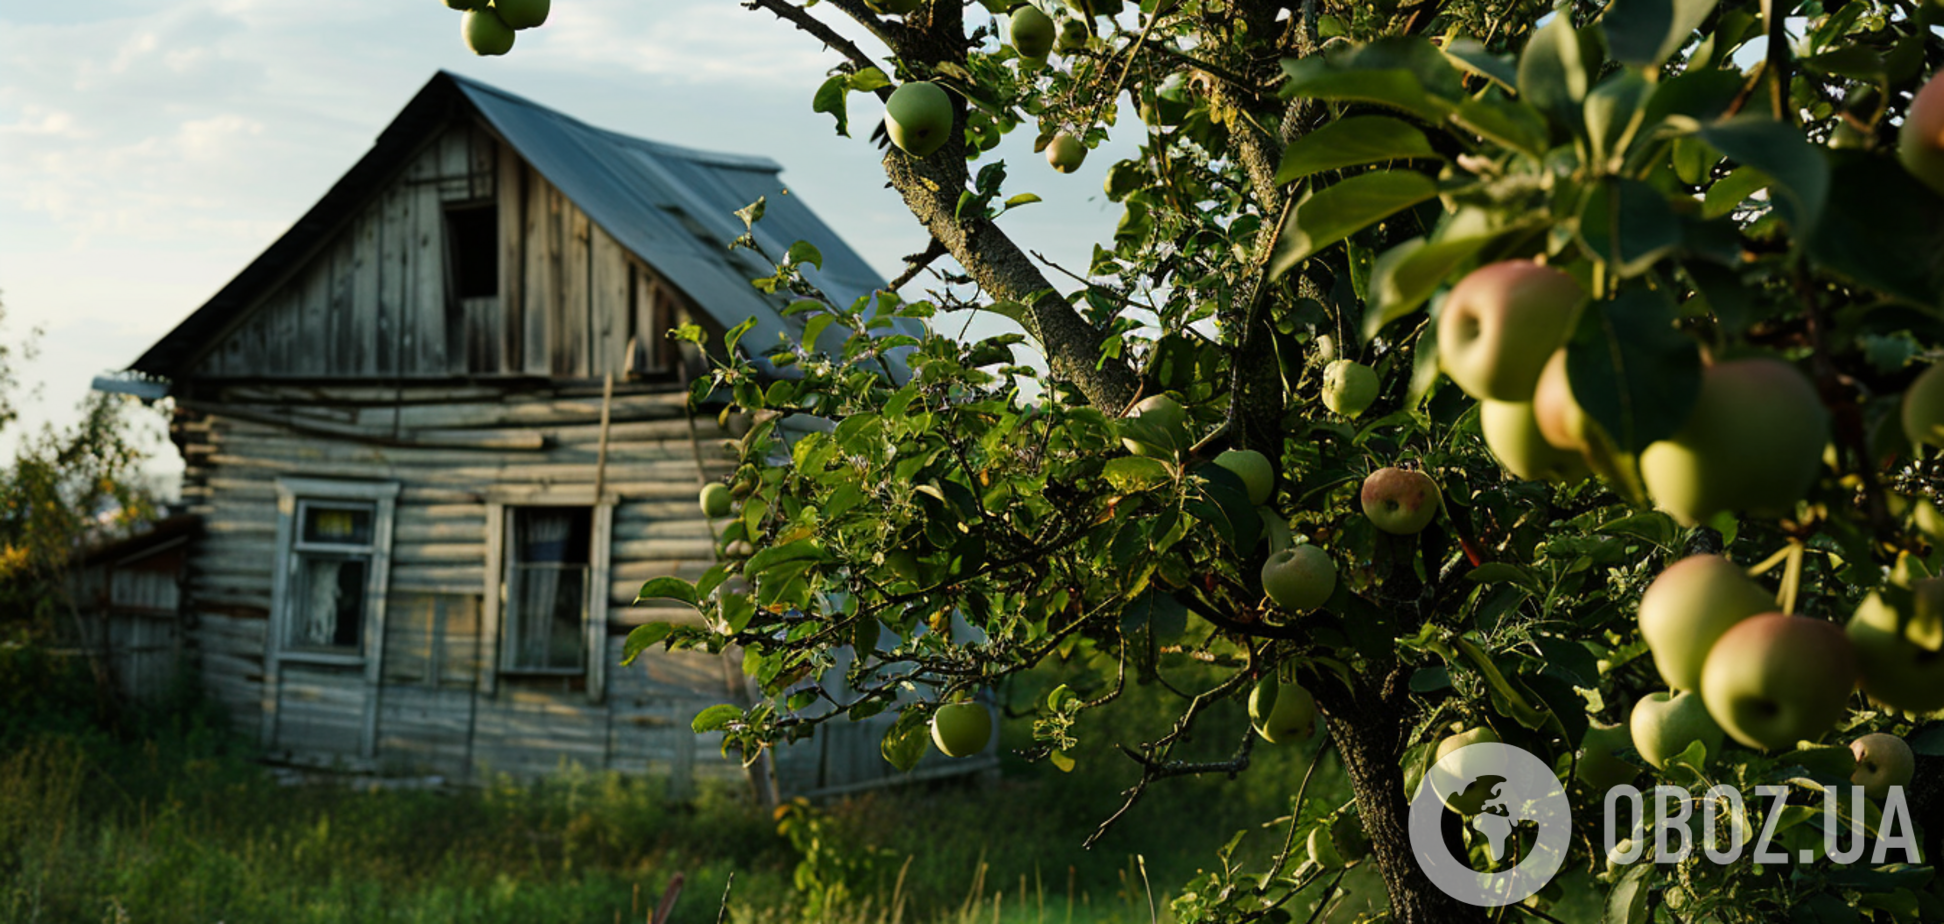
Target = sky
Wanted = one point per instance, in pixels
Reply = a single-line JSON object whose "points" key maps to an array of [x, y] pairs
{"points": [[149, 151]]}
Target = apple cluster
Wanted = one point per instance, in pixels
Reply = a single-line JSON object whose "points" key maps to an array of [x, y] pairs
{"points": [[489, 25], [1772, 680]]}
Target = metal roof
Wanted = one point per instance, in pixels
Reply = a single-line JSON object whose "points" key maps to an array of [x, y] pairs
{"points": [[672, 206]]}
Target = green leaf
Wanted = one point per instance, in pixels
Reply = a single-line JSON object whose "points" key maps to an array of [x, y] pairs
{"points": [[868, 80], [1892, 250], [1472, 55], [1136, 473], [1728, 193], [735, 334], [1613, 113], [905, 741], [641, 637], [1552, 76], [669, 588], [1627, 903], [805, 252], [1645, 33], [1409, 74], [1324, 217], [1801, 176], [1224, 504], [1628, 224], [1497, 572], [715, 718], [1631, 370], [1406, 275], [814, 328], [831, 98], [1508, 122], [1351, 142], [1858, 62], [1701, 95], [1022, 199], [1061, 760], [800, 550]]}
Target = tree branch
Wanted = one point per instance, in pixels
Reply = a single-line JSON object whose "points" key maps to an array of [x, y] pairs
{"points": [[802, 19]]}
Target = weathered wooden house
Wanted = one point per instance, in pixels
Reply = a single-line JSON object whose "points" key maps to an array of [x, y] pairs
{"points": [[437, 440]]}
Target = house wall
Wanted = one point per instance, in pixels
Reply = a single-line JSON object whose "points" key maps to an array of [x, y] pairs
{"points": [[441, 707], [376, 298]]}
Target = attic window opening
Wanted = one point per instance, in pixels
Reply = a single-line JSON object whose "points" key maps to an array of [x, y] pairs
{"points": [[472, 248]]}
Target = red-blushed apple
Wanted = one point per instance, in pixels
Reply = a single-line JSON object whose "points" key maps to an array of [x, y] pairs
{"points": [[1167, 423], [1923, 408], [486, 34], [1501, 322], [961, 729], [1400, 501], [1898, 635], [1512, 433], [1920, 140], [1688, 607], [1349, 387], [523, 14], [1599, 765], [1282, 712], [1065, 153], [1299, 578], [1773, 680], [1254, 470], [1561, 420], [1031, 31], [1753, 444], [1882, 761], [1665, 724], [918, 118], [716, 500]]}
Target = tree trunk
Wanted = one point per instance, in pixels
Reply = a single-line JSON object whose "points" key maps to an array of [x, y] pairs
{"points": [[1368, 731]]}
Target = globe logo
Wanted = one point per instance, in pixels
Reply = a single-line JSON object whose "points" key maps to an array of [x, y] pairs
{"points": [[1506, 798]]}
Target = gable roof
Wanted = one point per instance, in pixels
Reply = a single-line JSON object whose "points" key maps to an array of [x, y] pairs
{"points": [[673, 207]]}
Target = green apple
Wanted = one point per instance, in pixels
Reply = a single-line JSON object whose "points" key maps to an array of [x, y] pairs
{"points": [[486, 34], [1512, 433], [523, 14], [1664, 724], [1561, 421], [1753, 444], [1299, 578], [1031, 31], [1899, 640], [1167, 420], [1467, 768], [1774, 679], [1920, 141], [1072, 38], [1282, 712], [961, 729], [1882, 761], [1254, 470], [1499, 325], [1349, 387], [918, 117], [1923, 407], [1065, 152], [715, 499], [1599, 765], [1688, 607], [1399, 501]]}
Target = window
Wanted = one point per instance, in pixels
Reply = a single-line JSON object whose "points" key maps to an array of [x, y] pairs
{"points": [[472, 250], [548, 572], [334, 539]]}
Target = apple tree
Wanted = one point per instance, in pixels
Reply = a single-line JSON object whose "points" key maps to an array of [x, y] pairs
{"points": [[1431, 336]]}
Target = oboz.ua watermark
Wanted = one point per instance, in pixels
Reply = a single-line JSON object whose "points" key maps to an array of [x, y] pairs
{"points": [[1512, 799]]}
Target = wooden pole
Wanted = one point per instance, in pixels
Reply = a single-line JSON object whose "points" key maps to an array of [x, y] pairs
{"points": [[600, 455]]}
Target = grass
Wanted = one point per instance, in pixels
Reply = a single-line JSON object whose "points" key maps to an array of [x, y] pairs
{"points": [[171, 821]]}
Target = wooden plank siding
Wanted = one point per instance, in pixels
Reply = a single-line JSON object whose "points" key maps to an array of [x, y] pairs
{"points": [[440, 708]]}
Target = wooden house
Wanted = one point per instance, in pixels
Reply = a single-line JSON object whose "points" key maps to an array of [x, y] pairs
{"points": [[437, 440]]}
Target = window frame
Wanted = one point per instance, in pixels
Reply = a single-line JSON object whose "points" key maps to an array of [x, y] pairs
{"points": [[494, 621], [294, 496]]}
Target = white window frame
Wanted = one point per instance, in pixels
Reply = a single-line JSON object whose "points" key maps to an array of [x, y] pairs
{"points": [[497, 659], [293, 494]]}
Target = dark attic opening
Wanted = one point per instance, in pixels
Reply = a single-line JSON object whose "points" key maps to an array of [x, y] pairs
{"points": [[472, 250]]}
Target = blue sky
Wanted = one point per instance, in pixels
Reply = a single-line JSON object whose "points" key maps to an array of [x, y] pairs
{"points": [[148, 151]]}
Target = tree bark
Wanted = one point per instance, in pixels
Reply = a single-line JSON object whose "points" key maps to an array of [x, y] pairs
{"points": [[1367, 726]]}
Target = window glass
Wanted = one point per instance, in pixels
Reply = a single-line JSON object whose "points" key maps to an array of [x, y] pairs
{"points": [[336, 525], [547, 587], [329, 601]]}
